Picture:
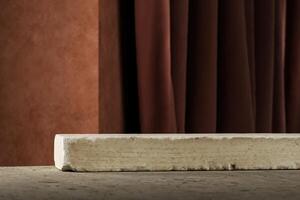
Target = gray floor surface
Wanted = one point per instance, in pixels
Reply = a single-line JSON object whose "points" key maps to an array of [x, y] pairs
{"points": [[22, 183]]}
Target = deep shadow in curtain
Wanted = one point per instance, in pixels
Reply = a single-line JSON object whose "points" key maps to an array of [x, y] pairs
{"points": [[200, 66]]}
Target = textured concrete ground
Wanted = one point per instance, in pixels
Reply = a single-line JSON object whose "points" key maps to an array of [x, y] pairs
{"points": [[22, 183]]}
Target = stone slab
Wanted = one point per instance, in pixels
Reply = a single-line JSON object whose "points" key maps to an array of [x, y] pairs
{"points": [[176, 152]]}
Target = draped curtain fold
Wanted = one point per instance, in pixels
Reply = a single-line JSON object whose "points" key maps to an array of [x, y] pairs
{"points": [[210, 66]]}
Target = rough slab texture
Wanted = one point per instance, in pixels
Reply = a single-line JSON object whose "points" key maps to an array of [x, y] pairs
{"points": [[48, 183], [162, 152]]}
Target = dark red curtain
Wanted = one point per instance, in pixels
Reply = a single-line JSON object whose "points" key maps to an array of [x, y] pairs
{"points": [[200, 66]]}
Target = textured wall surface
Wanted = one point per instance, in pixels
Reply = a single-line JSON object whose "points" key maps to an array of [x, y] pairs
{"points": [[48, 75]]}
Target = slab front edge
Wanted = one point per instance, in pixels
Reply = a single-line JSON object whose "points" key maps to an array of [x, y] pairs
{"points": [[162, 152]]}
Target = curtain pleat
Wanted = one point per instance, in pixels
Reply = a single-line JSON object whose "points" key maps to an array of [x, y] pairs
{"points": [[264, 63], [293, 66], [250, 32], [153, 44], [201, 112], [216, 65], [235, 111], [279, 110], [179, 53]]}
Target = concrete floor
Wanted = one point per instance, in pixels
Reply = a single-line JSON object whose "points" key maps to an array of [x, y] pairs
{"points": [[22, 183]]}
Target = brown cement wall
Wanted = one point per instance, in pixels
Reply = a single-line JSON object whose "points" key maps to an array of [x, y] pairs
{"points": [[49, 75]]}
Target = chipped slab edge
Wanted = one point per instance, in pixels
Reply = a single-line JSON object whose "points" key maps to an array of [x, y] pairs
{"points": [[62, 141], [60, 152], [178, 136]]}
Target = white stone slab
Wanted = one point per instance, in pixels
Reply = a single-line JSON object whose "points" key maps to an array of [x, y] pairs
{"points": [[166, 152]]}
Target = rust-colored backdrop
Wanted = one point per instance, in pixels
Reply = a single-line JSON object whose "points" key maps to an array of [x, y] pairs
{"points": [[49, 76]]}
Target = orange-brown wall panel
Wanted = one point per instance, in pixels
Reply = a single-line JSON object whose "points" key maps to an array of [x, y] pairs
{"points": [[49, 75]]}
